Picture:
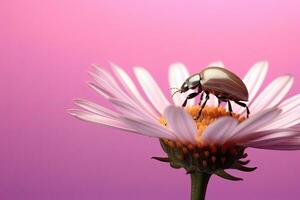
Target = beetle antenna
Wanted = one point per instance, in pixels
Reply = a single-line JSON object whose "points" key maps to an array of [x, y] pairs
{"points": [[175, 92], [173, 88]]}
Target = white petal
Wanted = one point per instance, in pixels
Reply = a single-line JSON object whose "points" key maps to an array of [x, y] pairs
{"points": [[105, 75], [292, 123], [289, 116], [254, 123], [291, 147], [272, 94], [253, 81], [219, 130], [92, 117], [149, 129], [213, 100], [129, 110], [181, 123], [284, 143], [131, 89], [290, 104], [100, 90], [271, 136], [112, 90], [255, 77], [151, 89], [286, 120], [95, 108], [178, 73]]}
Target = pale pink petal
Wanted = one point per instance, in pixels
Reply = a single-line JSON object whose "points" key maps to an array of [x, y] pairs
{"points": [[255, 78], [149, 129], [292, 123], [92, 117], [130, 111], [272, 94], [105, 75], [284, 143], [268, 134], [151, 89], [181, 123], [291, 147], [289, 116], [213, 100], [178, 73], [219, 130], [253, 81], [111, 89], [271, 136], [114, 91], [100, 90], [95, 108], [290, 104], [131, 89], [254, 123]]}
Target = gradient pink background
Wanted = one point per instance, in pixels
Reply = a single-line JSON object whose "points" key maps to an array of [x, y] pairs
{"points": [[46, 50]]}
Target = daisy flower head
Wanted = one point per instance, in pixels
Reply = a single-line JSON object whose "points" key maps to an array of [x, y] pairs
{"points": [[204, 140]]}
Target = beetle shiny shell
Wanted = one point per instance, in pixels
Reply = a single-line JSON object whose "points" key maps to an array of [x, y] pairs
{"points": [[223, 83]]}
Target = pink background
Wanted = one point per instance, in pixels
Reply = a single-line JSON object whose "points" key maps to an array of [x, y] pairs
{"points": [[46, 50]]}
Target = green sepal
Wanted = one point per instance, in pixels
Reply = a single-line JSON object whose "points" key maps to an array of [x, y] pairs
{"points": [[244, 155], [162, 159], [227, 176], [243, 168], [164, 146], [175, 166], [243, 162]]}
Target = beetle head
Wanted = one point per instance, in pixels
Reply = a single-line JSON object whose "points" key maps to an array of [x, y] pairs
{"points": [[184, 87], [192, 82]]}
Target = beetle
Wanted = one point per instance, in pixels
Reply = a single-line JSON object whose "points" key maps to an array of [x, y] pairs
{"points": [[222, 83]]}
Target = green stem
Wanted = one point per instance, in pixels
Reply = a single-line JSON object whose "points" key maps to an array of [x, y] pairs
{"points": [[199, 185]]}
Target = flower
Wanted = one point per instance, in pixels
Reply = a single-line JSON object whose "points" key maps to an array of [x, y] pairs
{"points": [[210, 144]]}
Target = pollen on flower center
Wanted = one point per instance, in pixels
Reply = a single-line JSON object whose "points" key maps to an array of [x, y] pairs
{"points": [[209, 158], [209, 114]]}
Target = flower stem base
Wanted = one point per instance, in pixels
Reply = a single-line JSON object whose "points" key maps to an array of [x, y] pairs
{"points": [[199, 182]]}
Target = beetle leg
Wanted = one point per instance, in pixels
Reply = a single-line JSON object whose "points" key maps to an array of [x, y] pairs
{"points": [[190, 96], [229, 108], [203, 105], [245, 106], [201, 98]]}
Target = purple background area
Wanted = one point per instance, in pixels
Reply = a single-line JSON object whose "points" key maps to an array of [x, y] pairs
{"points": [[46, 50]]}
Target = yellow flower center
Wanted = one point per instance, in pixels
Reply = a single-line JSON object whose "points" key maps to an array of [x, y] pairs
{"points": [[200, 157], [209, 115]]}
